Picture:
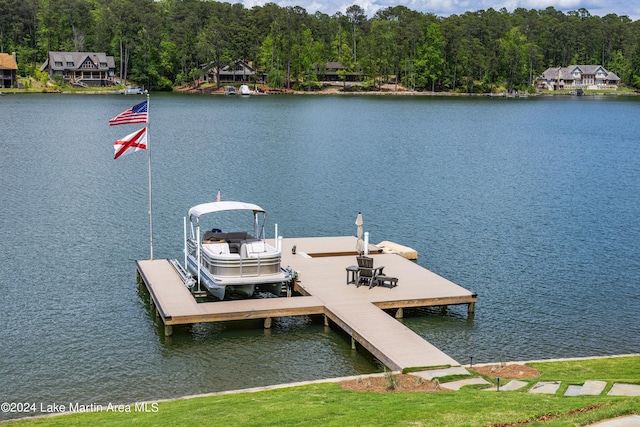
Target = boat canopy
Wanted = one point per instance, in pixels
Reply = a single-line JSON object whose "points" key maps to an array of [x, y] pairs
{"points": [[212, 207]]}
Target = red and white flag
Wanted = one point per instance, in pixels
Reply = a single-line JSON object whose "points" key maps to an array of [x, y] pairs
{"points": [[135, 141], [218, 196]]}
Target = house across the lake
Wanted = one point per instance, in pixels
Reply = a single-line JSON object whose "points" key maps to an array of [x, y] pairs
{"points": [[236, 72], [334, 72], [8, 70], [81, 68], [578, 77]]}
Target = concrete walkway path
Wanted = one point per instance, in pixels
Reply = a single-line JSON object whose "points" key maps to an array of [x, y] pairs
{"points": [[628, 421]]}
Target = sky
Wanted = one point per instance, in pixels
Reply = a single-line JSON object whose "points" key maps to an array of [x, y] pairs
{"points": [[630, 8]]}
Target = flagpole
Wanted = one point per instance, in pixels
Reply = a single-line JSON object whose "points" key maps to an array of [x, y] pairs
{"points": [[150, 198]]}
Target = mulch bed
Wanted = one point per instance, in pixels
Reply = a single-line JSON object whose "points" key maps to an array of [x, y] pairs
{"points": [[391, 383], [412, 383]]}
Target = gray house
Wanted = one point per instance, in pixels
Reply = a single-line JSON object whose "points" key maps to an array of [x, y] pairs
{"points": [[238, 71], [81, 68], [578, 77]]}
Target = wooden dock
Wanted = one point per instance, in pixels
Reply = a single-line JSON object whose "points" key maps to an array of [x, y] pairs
{"points": [[321, 266]]}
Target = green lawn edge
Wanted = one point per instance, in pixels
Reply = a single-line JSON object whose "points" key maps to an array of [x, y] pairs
{"points": [[327, 404]]}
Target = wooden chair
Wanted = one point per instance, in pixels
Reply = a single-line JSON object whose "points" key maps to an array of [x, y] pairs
{"points": [[367, 272]]}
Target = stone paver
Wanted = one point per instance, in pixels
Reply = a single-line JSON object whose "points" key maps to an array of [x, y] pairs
{"points": [[437, 373], [456, 385], [624, 390], [513, 385], [545, 387], [510, 386], [573, 390], [593, 388]]}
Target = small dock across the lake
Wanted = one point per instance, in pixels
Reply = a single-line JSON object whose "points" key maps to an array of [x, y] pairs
{"points": [[321, 264]]}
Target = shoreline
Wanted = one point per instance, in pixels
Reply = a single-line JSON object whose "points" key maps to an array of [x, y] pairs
{"points": [[332, 91], [311, 382]]}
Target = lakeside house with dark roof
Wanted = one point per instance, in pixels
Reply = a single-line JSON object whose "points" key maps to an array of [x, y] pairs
{"points": [[81, 68], [238, 71], [8, 70], [578, 77], [334, 72]]}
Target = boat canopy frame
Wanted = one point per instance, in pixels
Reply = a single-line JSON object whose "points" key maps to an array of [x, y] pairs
{"points": [[212, 207]]}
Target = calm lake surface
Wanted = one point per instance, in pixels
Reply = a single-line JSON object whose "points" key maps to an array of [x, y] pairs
{"points": [[532, 203]]}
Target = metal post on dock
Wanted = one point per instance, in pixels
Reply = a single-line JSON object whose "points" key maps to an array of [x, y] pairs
{"points": [[366, 243]]}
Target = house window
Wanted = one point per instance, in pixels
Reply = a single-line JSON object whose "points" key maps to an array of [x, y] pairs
{"points": [[69, 64], [58, 63], [103, 65]]}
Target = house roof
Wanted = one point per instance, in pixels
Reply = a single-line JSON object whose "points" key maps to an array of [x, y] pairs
{"points": [[335, 65], [564, 73], [238, 68], [98, 59], [7, 62]]}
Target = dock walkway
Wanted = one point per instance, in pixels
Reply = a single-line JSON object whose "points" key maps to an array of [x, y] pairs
{"points": [[321, 265]]}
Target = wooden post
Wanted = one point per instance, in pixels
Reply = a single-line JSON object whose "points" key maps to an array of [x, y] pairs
{"points": [[326, 320], [267, 323], [399, 313], [471, 308], [353, 344], [168, 330]]}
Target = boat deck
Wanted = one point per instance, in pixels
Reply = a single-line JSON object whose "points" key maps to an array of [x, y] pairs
{"points": [[321, 265]]}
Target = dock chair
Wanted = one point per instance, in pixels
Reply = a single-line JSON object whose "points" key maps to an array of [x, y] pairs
{"points": [[367, 272]]}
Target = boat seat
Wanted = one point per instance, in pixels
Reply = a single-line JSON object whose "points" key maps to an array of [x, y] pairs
{"points": [[237, 237], [252, 249], [213, 249]]}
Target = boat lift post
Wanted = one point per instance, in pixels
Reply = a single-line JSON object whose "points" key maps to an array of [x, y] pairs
{"points": [[149, 168], [198, 246], [185, 243]]}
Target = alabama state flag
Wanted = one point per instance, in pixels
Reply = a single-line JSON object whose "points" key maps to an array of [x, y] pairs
{"points": [[135, 141]]}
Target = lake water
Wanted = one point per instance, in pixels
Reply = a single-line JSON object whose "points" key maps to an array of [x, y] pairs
{"points": [[532, 203]]}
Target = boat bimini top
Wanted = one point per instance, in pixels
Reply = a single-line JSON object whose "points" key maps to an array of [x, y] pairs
{"points": [[212, 207]]}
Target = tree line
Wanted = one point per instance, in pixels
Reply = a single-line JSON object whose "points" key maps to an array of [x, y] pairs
{"points": [[164, 43]]}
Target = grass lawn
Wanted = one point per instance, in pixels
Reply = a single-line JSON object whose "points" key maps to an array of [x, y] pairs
{"points": [[328, 404]]}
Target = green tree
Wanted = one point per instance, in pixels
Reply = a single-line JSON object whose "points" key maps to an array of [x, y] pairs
{"points": [[514, 54], [430, 57], [356, 16]]}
